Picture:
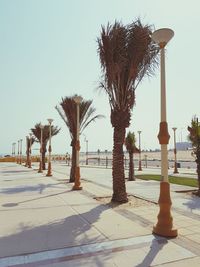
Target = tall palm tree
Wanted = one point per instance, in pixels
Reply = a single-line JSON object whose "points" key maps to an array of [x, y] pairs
{"points": [[131, 148], [45, 138], [194, 137], [127, 54], [68, 112], [30, 141]]}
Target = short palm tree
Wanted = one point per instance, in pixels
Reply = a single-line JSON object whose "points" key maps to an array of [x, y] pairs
{"points": [[45, 138], [127, 54], [131, 148], [68, 112], [194, 137]]}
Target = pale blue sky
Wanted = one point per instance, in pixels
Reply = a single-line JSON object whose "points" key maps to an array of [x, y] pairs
{"points": [[48, 50]]}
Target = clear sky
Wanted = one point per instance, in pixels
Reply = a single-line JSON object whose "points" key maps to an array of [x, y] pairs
{"points": [[48, 50]]}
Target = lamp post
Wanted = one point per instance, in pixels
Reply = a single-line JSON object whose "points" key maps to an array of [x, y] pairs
{"points": [[77, 184], [20, 158], [145, 157], [175, 151], [164, 226], [49, 158], [30, 144], [27, 152], [14, 150], [140, 162], [41, 144], [86, 152]]}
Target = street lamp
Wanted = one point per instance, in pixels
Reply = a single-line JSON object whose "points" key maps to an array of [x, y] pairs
{"points": [[14, 150], [41, 144], [30, 144], [77, 184], [27, 152], [140, 162], [145, 157], [49, 158], [175, 151], [20, 160], [164, 226], [86, 153]]}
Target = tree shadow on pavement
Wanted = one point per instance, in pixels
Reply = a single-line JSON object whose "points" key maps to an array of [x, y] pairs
{"points": [[39, 187], [61, 231], [13, 204], [193, 203]]}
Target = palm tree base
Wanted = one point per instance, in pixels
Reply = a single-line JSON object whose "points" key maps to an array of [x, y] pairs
{"points": [[77, 187], [119, 199], [77, 184]]}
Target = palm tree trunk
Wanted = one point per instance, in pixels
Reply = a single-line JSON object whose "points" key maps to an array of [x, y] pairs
{"points": [[119, 187], [73, 164], [131, 176], [27, 158], [43, 161], [198, 169]]}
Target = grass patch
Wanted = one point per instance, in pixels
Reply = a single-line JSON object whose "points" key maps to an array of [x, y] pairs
{"points": [[172, 179]]}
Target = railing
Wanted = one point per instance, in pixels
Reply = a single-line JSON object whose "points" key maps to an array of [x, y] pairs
{"points": [[105, 161]]}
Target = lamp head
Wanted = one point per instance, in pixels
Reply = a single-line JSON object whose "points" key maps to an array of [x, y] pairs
{"points": [[174, 128], [162, 36], [50, 121], [77, 99], [139, 132], [41, 126]]}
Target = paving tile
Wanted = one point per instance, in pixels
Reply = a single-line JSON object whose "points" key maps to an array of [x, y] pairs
{"points": [[194, 262], [194, 237]]}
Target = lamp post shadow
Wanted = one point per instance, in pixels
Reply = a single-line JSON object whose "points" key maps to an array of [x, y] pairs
{"points": [[155, 247]]}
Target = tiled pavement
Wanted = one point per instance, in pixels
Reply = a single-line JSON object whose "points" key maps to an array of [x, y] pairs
{"points": [[44, 223]]}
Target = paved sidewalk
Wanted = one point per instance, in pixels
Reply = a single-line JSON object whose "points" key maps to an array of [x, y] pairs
{"points": [[45, 223]]}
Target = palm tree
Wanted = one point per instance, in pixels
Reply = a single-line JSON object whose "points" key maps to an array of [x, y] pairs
{"points": [[68, 112], [127, 54], [194, 137], [45, 138], [131, 148], [30, 141]]}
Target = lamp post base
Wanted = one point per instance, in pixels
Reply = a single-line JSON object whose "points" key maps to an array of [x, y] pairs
{"points": [[77, 184], [49, 170], [164, 226]]}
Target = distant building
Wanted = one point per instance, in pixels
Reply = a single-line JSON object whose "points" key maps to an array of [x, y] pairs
{"points": [[183, 145]]}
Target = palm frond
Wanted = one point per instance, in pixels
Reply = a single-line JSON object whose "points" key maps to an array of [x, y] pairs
{"points": [[46, 133], [126, 54], [68, 112]]}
